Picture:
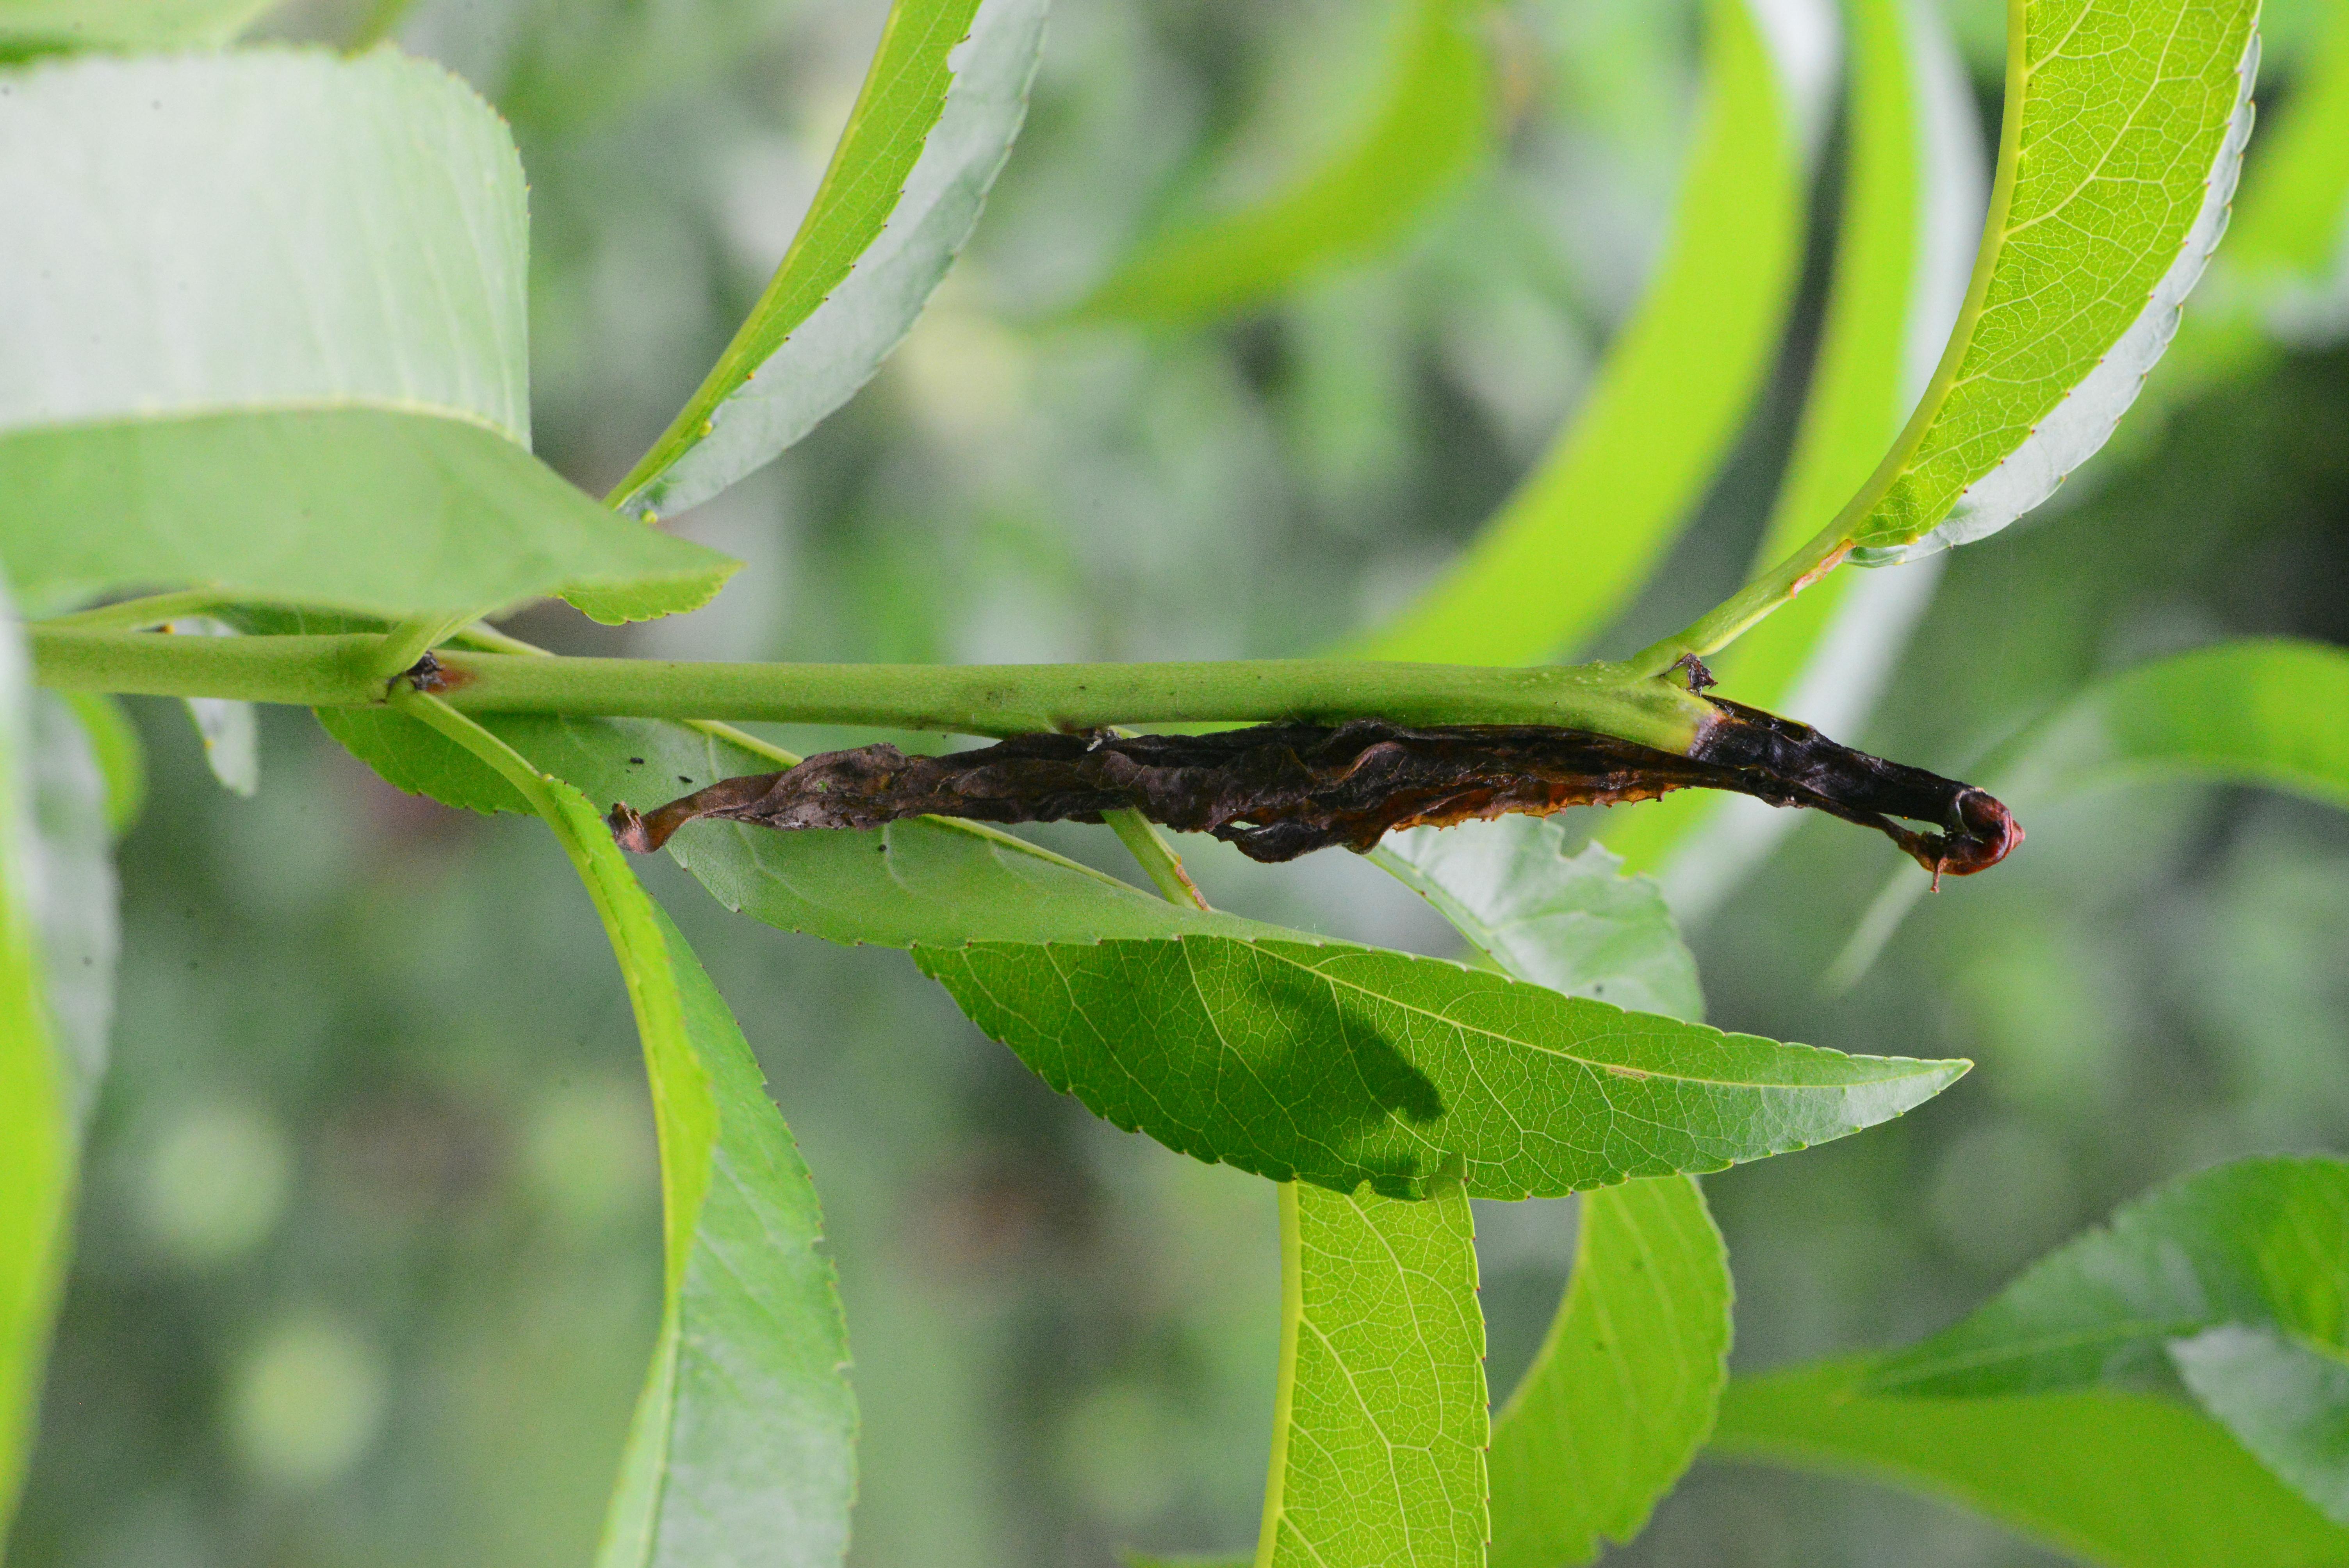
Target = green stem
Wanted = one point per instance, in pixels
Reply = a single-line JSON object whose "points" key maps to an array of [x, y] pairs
{"points": [[1156, 856], [411, 640], [967, 699], [1738, 615], [139, 614]]}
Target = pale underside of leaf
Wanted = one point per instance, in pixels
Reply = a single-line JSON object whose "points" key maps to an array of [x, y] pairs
{"points": [[228, 728], [2127, 122], [267, 334], [1572, 923], [1380, 1450], [864, 265], [1595, 517], [274, 229], [2285, 1399]]}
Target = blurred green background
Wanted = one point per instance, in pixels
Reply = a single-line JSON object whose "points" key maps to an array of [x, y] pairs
{"points": [[368, 1258]]}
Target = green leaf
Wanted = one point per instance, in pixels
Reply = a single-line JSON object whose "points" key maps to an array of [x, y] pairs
{"points": [[2241, 1275], [2268, 712], [2285, 1398], [266, 336], [742, 1448], [2256, 1241], [1597, 513], [2126, 123], [1622, 1393], [945, 97], [1431, 127], [2259, 711], [29, 26], [2129, 1481], [1912, 205], [1336, 1064], [36, 1139], [1379, 1437], [1573, 922]]}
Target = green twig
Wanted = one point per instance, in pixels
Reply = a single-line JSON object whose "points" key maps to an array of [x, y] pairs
{"points": [[1156, 856], [139, 614], [966, 699], [411, 640]]}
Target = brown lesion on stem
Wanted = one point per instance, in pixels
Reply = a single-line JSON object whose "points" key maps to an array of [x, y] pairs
{"points": [[430, 676], [1280, 791]]}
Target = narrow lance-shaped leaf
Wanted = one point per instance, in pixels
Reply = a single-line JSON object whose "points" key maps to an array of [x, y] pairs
{"points": [[2273, 713], [1910, 213], [2240, 1276], [2125, 126], [945, 97], [1379, 1437], [37, 1141], [1597, 513], [1336, 1064], [1431, 127], [2126, 1481], [266, 336], [743, 1449], [2260, 1240], [1621, 1393]]}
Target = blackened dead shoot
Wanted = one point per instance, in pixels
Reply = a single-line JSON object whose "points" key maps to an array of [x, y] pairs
{"points": [[1280, 791]]}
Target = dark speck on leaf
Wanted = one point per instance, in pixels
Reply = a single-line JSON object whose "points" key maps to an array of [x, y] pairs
{"points": [[685, 777], [635, 762]]}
